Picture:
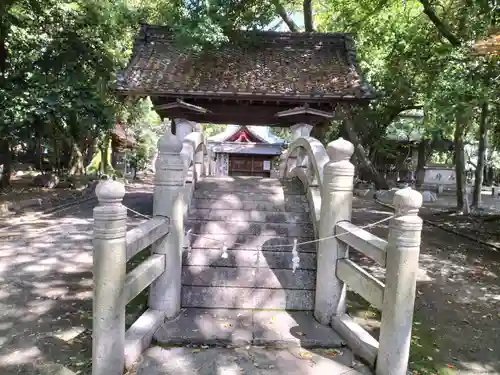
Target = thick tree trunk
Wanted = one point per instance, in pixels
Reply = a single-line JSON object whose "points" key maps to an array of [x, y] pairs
{"points": [[281, 11], [483, 139], [7, 163], [76, 166], [421, 161], [308, 15], [462, 200], [365, 163]]}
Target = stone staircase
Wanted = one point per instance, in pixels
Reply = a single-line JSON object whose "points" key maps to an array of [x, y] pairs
{"points": [[257, 220], [247, 292]]}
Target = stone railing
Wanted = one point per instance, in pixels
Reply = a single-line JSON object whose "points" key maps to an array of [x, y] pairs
{"points": [[328, 177], [178, 167]]}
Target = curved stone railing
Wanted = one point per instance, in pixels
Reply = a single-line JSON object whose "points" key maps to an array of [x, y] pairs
{"points": [[328, 177], [193, 154], [179, 165], [305, 159]]}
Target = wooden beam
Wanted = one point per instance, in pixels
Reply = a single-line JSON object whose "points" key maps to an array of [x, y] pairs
{"points": [[181, 104], [242, 114], [304, 110]]}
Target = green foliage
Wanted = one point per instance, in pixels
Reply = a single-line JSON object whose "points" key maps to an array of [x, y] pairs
{"points": [[213, 129], [58, 61]]}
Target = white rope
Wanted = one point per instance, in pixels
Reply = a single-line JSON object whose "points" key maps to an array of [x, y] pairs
{"points": [[138, 213], [295, 244]]}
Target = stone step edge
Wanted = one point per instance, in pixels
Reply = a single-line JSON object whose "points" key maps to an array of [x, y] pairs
{"points": [[239, 298], [251, 335], [228, 343], [287, 248], [256, 288]]}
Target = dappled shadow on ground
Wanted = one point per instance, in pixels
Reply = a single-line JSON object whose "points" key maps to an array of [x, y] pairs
{"points": [[46, 294], [251, 228], [458, 297]]}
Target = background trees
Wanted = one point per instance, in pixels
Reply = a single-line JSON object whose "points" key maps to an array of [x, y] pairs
{"points": [[58, 61]]}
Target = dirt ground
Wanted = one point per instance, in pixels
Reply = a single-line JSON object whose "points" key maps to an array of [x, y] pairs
{"points": [[22, 189], [457, 310], [482, 227]]}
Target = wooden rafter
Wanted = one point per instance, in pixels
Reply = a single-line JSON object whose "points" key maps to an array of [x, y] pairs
{"points": [[304, 110], [182, 104]]}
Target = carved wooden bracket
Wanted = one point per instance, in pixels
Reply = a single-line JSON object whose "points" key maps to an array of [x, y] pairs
{"points": [[305, 109], [182, 104]]}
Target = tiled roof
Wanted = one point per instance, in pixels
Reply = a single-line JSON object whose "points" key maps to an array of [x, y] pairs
{"points": [[274, 64]]}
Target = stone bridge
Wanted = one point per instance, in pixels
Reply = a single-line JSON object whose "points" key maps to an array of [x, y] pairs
{"points": [[244, 262]]}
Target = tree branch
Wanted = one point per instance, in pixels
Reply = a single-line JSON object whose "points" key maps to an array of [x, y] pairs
{"points": [[395, 114], [440, 26], [280, 9], [308, 17]]}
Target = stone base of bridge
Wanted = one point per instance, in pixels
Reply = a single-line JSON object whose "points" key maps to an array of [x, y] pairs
{"points": [[235, 327], [250, 360]]}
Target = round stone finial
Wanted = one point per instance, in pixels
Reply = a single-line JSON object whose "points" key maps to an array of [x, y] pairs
{"points": [[408, 201], [110, 191], [169, 142], [340, 150]]}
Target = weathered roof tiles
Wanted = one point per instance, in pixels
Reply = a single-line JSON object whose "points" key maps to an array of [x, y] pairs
{"points": [[267, 63]]}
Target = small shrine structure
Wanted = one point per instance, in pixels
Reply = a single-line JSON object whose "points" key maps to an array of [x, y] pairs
{"points": [[244, 151]]}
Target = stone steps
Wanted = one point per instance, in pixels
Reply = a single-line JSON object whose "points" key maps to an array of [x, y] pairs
{"points": [[250, 216], [257, 220], [249, 242], [209, 227], [248, 277], [237, 204], [247, 258], [252, 195], [251, 360], [237, 327], [247, 298]]}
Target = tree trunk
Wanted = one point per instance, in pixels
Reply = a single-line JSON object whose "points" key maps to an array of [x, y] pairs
{"points": [[483, 139], [308, 16], [281, 11], [104, 147], [7, 163], [76, 161], [421, 161], [366, 164], [462, 201], [491, 175], [319, 132]]}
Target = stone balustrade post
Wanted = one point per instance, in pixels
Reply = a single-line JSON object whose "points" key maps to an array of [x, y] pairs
{"points": [[284, 169], [403, 248], [336, 206], [109, 269], [199, 163], [301, 130], [168, 201]]}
